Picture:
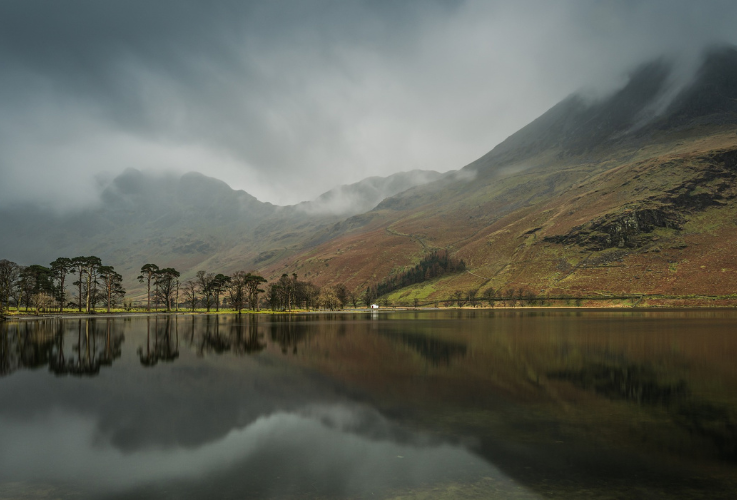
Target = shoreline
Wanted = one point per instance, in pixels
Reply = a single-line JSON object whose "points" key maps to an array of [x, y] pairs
{"points": [[598, 307]]}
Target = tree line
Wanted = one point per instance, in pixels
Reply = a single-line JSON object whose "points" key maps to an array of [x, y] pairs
{"points": [[40, 287], [434, 265], [44, 288], [241, 290], [289, 293]]}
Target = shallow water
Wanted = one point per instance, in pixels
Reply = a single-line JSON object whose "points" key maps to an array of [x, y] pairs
{"points": [[520, 404]]}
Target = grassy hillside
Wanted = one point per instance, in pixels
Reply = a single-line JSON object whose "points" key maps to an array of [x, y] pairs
{"points": [[659, 219], [628, 194]]}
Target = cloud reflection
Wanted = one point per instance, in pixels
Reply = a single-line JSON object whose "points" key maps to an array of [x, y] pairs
{"points": [[330, 450]]}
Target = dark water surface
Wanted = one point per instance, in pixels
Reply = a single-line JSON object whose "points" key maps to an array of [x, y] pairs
{"points": [[488, 404]]}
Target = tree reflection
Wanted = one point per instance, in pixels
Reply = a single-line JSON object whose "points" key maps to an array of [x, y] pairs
{"points": [[240, 335], [288, 333], [246, 337], [165, 346], [96, 346], [32, 345], [24, 346]]}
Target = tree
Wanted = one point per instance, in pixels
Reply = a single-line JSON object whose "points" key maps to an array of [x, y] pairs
{"points": [[510, 296], [253, 283], [148, 271], [113, 285], [190, 293], [165, 281], [312, 295], [86, 269], [77, 267], [489, 295], [341, 292], [285, 291], [272, 296], [369, 296], [237, 290], [34, 280], [329, 299], [353, 299], [41, 300], [204, 283], [59, 270], [92, 266], [9, 273], [17, 291], [219, 284]]}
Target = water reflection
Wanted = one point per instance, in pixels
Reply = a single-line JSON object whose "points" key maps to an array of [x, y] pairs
{"points": [[436, 351], [592, 404], [78, 348], [165, 346], [640, 385], [239, 335]]}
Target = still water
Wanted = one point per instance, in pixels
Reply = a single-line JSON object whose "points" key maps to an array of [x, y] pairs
{"points": [[488, 404]]}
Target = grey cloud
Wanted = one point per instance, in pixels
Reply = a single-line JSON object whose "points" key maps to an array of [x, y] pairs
{"points": [[288, 99]]}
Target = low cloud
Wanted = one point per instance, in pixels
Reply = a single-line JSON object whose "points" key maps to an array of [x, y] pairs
{"points": [[288, 99], [362, 196]]}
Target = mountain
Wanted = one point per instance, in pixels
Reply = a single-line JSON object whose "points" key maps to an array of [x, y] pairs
{"points": [[629, 193], [188, 221]]}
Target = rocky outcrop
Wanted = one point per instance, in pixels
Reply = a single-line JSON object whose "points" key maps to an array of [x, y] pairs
{"points": [[623, 229], [629, 227]]}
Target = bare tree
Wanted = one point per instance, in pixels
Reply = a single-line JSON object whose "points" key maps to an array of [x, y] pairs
{"points": [[190, 294], [41, 301], [329, 299], [489, 295]]}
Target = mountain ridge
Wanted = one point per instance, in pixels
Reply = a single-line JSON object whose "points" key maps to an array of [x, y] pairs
{"points": [[603, 195]]}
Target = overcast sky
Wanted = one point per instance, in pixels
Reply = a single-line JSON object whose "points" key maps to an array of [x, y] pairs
{"points": [[286, 99]]}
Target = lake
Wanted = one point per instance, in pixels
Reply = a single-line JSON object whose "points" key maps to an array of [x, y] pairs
{"points": [[412, 405]]}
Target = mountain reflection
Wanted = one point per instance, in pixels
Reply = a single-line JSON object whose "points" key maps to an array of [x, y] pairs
{"points": [[640, 384], [438, 352], [67, 348]]}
